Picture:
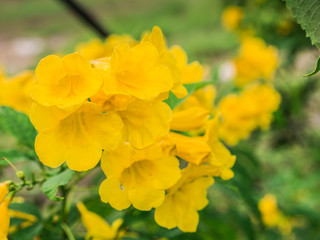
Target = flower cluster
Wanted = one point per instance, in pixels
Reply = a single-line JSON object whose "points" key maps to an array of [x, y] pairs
{"points": [[255, 61], [107, 102], [242, 113]]}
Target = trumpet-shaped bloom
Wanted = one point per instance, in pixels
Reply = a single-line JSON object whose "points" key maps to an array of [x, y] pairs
{"points": [[15, 91], [65, 82], [136, 72], [189, 119], [198, 150], [191, 149], [191, 73], [95, 48], [243, 113], [256, 60], [144, 122], [193, 113], [97, 227], [169, 59], [220, 156], [137, 177], [77, 137], [184, 199]]}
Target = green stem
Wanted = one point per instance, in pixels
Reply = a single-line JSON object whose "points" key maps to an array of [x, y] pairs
{"points": [[67, 231]]}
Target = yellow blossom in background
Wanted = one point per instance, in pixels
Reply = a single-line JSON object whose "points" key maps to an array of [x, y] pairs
{"points": [[232, 17], [242, 113], [137, 177], [136, 72], [272, 216], [76, 137], [65, 82], [97, 227], [4, 211], [269, 210], [184, 199], [255, 61], [29, 220], [169, 59], [15, 91], [95, 48]]}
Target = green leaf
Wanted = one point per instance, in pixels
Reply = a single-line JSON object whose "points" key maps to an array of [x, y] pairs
{"points": [[308, 16], [18, 125], [317, 69], [28, 232], [173, 101], [51, 185]]}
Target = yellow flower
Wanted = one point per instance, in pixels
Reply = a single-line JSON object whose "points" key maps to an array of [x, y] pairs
{"points": [[232, 17], [269, 210], [65, 82], [241, 114], [3, 191], [95, 48], [76, 137], [193, 113], [137, 177], [190, 149], [97, 227], [144, 122], [169, 59], [4, 211], [184, 199], [191, 73], [15, 91], [189, 119], [135, 72], [198, 150], [256, 60], [220, 156], [30, 220]]}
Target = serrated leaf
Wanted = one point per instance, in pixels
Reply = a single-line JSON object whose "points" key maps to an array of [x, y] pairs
{"points": [[173, 101], [51, 185], [317, 69], [308, 16], [18, 125]]}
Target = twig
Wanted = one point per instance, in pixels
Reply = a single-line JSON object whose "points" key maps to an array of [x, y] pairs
{"points": [[86, 17]]}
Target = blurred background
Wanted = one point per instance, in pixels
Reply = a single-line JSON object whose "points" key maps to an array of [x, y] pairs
{"points": [[282, 163]]}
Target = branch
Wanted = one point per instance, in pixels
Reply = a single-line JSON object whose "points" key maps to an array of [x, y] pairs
{"points": [[85, 16]]}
